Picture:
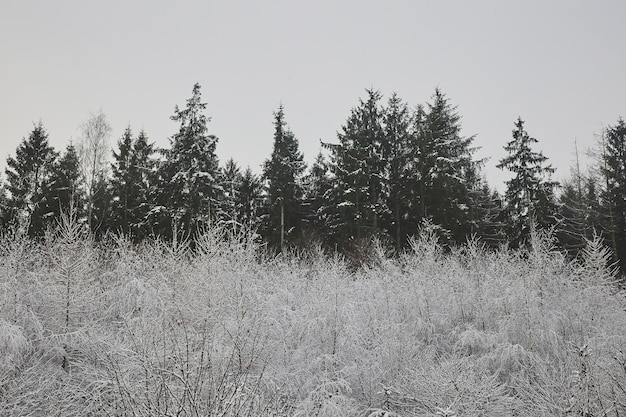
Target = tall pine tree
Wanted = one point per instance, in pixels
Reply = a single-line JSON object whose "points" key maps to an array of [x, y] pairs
{"points": [[317, 184], [249, 200], [358, 170], [146, 173], [230, 179], [580, 213], [189, 175], [283, 174], [487, 216], [65, 190], [530, 195], [614, 196], [396, 155], [131, 182], [444, 170], [123, 186], [28, 174]]}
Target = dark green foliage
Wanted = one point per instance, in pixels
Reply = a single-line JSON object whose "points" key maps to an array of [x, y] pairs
{"points": [[65, 189], [529, 197], [130, 186], [397, 157], [249, 199], [391, 171], [230, 180], [582, 216], [614, 196], [445, 173], [357, 166], [242, 197], [123, 187], [102, 216], [5, 208], [282, 174], [486, 215], [317, 185], [28, 175], [188, 177]]}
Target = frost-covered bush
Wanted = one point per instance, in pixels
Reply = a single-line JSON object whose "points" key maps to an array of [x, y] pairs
{"points": [[222, 329]]}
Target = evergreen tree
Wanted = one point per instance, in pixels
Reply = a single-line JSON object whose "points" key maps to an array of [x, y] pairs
{"points": [[419, 168], [529, 197], [573, 227], [580, 212], [131, 183], [230, 179], [614, 196], [317, 184], [357, 168], [487, 216], [123, 184], [5, 210], [444, 170], [27, 177], [248, 199], [282, 174], [396, 155], [101, 213], [189, 174], [66, 188], [146, 177]]}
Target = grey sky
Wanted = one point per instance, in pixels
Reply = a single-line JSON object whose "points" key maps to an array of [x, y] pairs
{"points": [[560, 65]]}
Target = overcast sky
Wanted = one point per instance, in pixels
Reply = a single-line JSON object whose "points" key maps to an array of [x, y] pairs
{"points": [[560, 65]]}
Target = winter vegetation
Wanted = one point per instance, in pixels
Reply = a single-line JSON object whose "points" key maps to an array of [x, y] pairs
{"points": [[226, 329], [387, 279]]}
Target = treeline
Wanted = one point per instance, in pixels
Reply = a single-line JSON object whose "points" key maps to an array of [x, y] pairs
{"points": [[392, 169]]}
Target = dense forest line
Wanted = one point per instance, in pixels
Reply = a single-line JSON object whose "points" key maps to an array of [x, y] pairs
{"points": [[392, 169]]}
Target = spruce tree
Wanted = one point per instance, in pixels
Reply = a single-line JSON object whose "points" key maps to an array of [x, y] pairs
{"points": [[529, 198], [123, 183], [444, 171], [249, 200], [27, 176], [581, 217], [396, 155], [66, 188], [230, 179], [487, 216], [145, 165], [282, 174], [102, 206], [614, 196], [317, 185], [5, 211], [357, 168], [131, 184], [419, 167], [188, 177]]}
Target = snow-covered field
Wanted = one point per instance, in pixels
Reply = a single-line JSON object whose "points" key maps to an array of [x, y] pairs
{"points": [[113, 329]]}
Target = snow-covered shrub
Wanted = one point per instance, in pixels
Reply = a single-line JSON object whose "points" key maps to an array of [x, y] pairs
{"points": [[223, 329], [14, 346]]}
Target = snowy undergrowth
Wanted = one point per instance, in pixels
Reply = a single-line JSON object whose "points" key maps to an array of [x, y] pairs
{"points": [[114, 329]]}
